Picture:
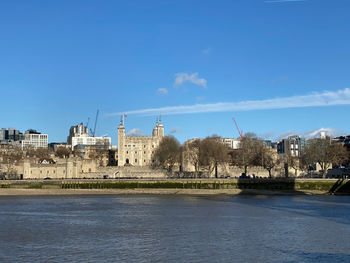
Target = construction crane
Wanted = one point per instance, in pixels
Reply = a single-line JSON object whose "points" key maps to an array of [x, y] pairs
{"points": [[240, 132], [94, 131]]}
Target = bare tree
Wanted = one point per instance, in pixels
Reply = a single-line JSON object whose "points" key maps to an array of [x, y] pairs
{"points": [[43, 152], [9, 157], [292, 161], [192, 155], [63, 152], [269, 159], [98, 154], [325, 152], [167, 153], [211, 153], [248, 153], [40, 153], [78, 153]]}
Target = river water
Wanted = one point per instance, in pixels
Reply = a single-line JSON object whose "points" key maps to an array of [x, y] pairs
{"points": [[162, 228]]}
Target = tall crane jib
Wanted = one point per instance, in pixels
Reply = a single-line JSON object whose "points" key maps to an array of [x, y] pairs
{"points": [[240, 132], [93, 132]]}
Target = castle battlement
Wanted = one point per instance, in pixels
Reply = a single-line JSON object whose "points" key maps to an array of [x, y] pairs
{"points": [[139, 137]]}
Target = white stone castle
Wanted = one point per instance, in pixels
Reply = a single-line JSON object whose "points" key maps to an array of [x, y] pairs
{"points": [[138, 150]]}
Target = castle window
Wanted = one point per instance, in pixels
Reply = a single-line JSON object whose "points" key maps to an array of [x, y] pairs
{"points": [[144, 152], [135, 160], [135, 151], [127, 152]]}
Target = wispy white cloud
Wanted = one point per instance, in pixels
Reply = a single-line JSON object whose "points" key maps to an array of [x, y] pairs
{"points": [[181, 78], [283, 1], [162, 91], [134, 132], [313, 134], [206, 51], [326, 98], [317, 133]]}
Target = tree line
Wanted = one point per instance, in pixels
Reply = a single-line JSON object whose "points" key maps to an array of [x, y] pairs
{"points": [[206, 154], [209, 153]]}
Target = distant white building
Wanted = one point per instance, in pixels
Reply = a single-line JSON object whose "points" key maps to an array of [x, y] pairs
{"points": [[77, 131], [88, 141], [230, 142], [79, 135], [35, 139]]}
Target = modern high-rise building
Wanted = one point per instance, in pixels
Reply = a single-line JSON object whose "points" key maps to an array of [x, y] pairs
{"points": [[29, 138], [35, 139], [77, 131], [10, 135], [79, 136], [292, 145]]}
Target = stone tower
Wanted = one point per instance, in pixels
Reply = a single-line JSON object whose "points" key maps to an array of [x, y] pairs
{"points": [[121, 142], [138, 150], [160, 128], [155, 131]]}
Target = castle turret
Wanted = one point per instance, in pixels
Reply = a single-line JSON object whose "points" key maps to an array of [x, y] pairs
{"points": [[158, 131], [121, 142], [160, 128]]}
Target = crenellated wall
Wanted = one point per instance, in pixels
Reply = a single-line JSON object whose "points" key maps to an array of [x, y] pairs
{"points": [[64, 169]]}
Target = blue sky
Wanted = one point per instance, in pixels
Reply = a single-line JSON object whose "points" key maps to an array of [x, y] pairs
{"points": [[280, 66]]}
